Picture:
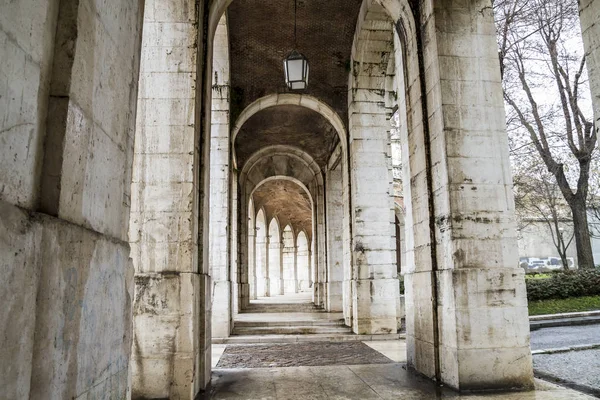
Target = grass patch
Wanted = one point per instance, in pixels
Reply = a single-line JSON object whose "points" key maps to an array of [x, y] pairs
{"points": [[557, 306]]}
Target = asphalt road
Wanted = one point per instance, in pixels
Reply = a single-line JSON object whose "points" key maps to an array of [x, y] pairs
{"points": [[578, 369], [565, 336]]}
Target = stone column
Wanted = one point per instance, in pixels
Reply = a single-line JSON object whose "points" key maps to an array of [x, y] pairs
{"points": [[290, 284], [335, 249], [169, 357], [312, 279], [252, 260], [219, 227], [266, 292], [320, 247], [295, 272], [374, 274], [589, 11], [302, 263], [275, 254], [262, 253], [481, 332]]}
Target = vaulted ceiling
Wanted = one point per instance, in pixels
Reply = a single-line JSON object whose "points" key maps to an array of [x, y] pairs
{"points": [[287, 125], [261, 35], [287, 201]]}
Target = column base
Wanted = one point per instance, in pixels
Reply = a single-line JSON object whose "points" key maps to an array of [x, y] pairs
{"points": [[221, 309], [172, 310], [374, 306], [334, 297], [483, 328]]}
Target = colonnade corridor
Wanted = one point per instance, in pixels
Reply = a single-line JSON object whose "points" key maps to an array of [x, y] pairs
{"points": [[186, 212]]}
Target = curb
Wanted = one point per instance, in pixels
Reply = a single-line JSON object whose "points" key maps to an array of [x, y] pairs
{"points": [[558, 320], [567, 349], [565, 315]]}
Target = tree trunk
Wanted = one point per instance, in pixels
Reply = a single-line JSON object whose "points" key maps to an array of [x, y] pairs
{"points": [[585, 257], [563, 259]]}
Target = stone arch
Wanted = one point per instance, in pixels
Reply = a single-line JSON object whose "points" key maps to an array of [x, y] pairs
{"points": [[306, 101], [303, 159], [259, 167], [286, 178]]}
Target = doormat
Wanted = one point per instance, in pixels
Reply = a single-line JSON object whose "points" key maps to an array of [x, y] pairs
{"points": [[310, 354]]}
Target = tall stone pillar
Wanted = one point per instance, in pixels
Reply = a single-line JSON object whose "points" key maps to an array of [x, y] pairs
{"points": [[252, 260], [375, 280], [295, 270], [311, 273], [589, 11], [219, 227], [374, 284], [172, 293], [265, 285], [275, 275], [480, 327], [335, 249], [290, 284]]}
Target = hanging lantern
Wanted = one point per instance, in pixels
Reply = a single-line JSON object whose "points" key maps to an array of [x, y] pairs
{"points": [[296, 71], [295, 65]]}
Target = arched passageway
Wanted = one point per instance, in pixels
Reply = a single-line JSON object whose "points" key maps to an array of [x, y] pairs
{"points": [[337, 146], [130, 156]]}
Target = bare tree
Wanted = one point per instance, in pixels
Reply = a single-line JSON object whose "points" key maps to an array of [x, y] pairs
{"points": [[544, 77], [538, 199]]}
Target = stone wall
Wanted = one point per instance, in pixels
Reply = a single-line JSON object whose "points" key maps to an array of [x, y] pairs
{"points": [[67, 115], [66, 321], [535, 240], [27, 30]]}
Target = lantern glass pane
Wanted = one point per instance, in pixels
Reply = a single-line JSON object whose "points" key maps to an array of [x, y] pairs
{"points": [[298, 85], [295, 69]]}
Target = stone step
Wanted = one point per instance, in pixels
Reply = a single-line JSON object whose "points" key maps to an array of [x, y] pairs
{"points": [[252, 339], [282, 308], [312, 322], [290, 330]]}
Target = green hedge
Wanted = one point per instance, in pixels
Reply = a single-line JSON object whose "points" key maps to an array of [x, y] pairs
{"points": [[564, 285]]}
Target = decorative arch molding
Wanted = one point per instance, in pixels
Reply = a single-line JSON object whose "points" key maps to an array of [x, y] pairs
{"points": [[295, 153], [284, 178], [302, 100]]}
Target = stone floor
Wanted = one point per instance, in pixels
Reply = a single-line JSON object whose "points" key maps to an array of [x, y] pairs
{"points": [[309, 375], [360, 382]]}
